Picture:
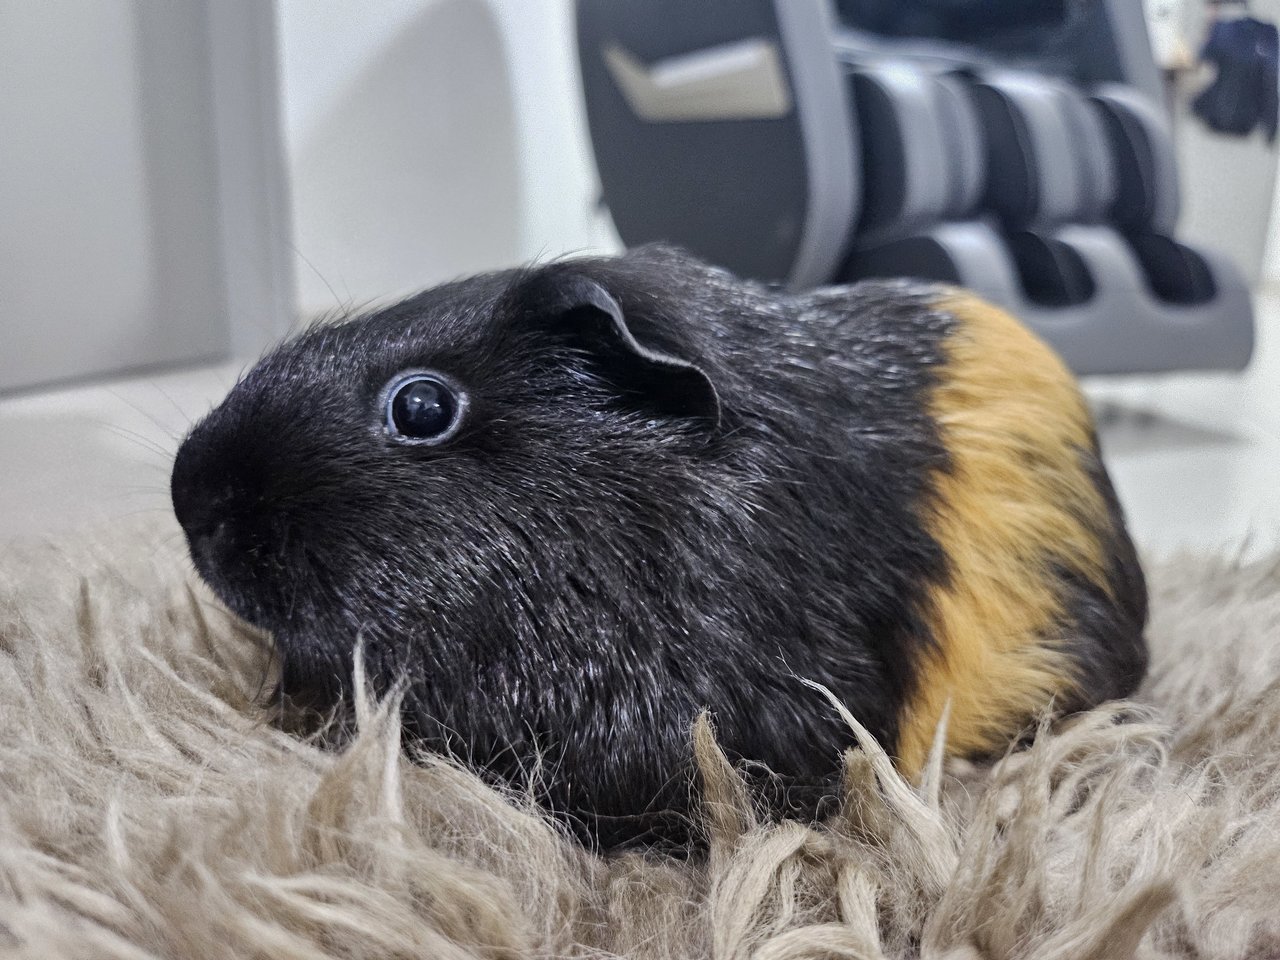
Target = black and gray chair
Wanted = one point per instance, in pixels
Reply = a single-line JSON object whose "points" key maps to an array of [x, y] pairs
{"points": [[788, 141]]}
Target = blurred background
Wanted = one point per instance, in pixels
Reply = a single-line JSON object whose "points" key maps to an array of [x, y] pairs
{"points": [[184, 181]]}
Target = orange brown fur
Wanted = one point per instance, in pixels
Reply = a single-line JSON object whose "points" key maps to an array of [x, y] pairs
{"points": [[1014, 503]]}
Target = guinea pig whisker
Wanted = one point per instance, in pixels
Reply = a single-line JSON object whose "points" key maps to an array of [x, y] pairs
{"points": [[156, 488], [186, 417], [321, 277], [143, 412], [151, 467], [141, 511], [143, 441]]}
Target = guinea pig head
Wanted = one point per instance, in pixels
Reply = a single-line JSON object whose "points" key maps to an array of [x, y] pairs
{"points": [[454, 482]]}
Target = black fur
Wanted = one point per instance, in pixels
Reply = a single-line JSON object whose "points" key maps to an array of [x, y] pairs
{"points": [[611, 542], [1104, 629]]}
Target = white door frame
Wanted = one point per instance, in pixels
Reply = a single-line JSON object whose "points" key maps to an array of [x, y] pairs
{"points": [[256, 241]]}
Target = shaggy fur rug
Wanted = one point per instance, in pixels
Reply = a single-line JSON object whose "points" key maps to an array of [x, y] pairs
{"points": [[150, 809]]}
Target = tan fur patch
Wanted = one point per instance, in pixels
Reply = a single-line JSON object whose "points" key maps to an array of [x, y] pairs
{"points": [[1014, 423]]}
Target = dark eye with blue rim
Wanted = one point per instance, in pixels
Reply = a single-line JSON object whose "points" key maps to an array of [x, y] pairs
{"points": [[421, 407]]}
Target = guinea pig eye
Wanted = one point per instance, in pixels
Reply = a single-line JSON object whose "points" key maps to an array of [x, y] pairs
{"points": [[421, 407]]}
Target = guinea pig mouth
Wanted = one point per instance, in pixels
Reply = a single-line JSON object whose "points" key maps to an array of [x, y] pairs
{"points": [[249, 582], [235, 592]]}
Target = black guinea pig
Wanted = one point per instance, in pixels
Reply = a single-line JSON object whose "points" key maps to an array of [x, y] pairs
{"points": [[573, 505]]}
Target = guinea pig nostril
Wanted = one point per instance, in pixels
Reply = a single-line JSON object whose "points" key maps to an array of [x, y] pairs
{"points": [[196, 510], [187, 489], [201, 496], [213, 543]]}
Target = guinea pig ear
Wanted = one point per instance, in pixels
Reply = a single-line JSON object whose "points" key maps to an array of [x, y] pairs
{"points": [[579, 305]]}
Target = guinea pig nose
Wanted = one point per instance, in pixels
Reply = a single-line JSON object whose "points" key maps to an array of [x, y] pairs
{"points": [[191, 503], [200, 523], [200, 495]]}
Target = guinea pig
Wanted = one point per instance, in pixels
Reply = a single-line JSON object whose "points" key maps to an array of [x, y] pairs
{"points": [[569, 507]]}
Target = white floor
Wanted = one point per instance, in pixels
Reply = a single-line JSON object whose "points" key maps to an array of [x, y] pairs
{"points": [[79, 455], [1195, 457]]}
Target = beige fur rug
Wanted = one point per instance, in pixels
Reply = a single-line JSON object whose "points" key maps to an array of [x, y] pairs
{"points": [[150, 810]]}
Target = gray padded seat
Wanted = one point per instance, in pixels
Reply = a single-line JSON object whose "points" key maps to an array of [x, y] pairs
{"points": [[1143, 152], [1146, 206], [922, 150], [1105, 159], [1051, 165], [1047, 150], [841, 154], [1046, 245]]}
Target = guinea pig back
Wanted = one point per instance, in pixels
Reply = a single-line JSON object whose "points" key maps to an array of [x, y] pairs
{"points": [[571, 506]]}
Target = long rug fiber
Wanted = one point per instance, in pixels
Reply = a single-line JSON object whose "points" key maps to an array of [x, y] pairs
{"points": [[150, 809]]}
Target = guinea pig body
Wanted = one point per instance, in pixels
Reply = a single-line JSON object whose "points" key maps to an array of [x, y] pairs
{"points": [[659, 490]]}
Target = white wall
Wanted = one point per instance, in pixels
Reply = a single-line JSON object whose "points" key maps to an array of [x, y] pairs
{"points": [[428, 139], [1228, 183], [109, 231], [141, 187]]}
